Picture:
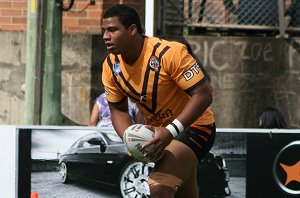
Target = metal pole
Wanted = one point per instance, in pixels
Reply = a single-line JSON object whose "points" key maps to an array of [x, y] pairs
{"points": [[51, 89], [281, 19], [32, 74], [43, 63], [39, 64], [149, 17], [164, 16]]}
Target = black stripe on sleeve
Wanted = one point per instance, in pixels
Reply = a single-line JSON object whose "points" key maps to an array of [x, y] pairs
{"points": [[192, 88]]}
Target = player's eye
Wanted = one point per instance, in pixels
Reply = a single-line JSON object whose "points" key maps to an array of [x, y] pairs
{"points": [[112, 29]]}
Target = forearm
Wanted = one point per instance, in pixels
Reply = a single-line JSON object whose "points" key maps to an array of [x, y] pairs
{"points": [[121, 121], [120, 117]]}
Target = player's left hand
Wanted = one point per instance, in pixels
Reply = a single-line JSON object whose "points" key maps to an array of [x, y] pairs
{"points": [[162, 138]]}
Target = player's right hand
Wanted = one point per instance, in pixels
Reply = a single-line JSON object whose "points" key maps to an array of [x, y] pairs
{"points": [[162, 138]]}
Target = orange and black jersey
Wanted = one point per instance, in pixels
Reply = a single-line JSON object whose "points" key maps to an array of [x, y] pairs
{"points": [[159, 82]]}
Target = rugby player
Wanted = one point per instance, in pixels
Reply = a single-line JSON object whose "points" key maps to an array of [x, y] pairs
{"points": [[170, 90]]}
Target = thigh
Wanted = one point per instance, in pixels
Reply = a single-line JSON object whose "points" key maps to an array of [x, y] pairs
{"points": [[179, 160]]}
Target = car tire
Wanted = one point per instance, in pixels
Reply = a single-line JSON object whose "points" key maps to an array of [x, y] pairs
{"points": [[64, 173], [134, 178], [227, 191]]}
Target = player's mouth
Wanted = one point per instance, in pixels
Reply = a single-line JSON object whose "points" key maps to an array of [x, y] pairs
{"points": [[109, 46]]}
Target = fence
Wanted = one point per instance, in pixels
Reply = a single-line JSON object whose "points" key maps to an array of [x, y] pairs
{"points": [[282, 16]]}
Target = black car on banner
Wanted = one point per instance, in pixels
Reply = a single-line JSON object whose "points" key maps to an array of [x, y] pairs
{"points": [[101, 157]]}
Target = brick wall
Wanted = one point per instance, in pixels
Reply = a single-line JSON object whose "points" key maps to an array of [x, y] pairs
{"points": [[80, 19]]}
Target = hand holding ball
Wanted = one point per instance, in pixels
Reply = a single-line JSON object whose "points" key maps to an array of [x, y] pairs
{"points": [[135, 136]]}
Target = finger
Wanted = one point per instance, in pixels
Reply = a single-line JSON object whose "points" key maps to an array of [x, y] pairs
{"points": [[156, 149], [153, 141], [150, 127], [157, 155]]}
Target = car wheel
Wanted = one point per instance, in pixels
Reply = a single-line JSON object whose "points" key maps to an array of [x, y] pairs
{"points": [[227, 191], [134, 178], [63, 173]]}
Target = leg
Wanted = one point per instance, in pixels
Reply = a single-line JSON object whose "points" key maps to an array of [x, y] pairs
{"points": [[177, 170], [178, 161], [188, 188]]}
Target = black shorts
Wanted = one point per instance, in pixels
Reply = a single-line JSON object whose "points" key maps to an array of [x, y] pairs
{"points": [[200, 140]]}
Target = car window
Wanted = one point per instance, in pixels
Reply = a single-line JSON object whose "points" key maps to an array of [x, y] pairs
{"points": [[83, 140], [113, 138], [87, 145]]}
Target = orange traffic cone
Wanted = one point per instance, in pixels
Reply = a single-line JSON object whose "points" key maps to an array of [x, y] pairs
{"points": [[34, 195]]}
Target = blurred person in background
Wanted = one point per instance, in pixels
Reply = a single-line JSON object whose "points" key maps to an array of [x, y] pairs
{"points": [[271, 118], [293, 12], [101, 115]]}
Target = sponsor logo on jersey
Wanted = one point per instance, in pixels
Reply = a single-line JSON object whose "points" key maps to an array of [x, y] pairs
{"points": [[116, 69], [160, 115], [189, 74], [286, 168], [154, 63]]}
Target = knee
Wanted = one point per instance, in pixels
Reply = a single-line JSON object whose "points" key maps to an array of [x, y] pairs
{"points": [[163, 185], [159, 190]]}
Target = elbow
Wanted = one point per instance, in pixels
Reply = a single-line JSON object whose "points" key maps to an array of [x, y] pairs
{"points": [[92, 123], [209, 95], [209, 99]]}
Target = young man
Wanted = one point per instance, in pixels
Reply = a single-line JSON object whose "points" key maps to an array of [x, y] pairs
{"points": [[170, 90]]}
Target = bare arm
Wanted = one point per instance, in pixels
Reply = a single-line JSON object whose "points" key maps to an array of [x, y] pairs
{"points": [[201, 99], [94, 118], [140, 118], [121, 120]]}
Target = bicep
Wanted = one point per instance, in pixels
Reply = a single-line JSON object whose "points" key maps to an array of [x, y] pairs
{"points": [[203, 89]]}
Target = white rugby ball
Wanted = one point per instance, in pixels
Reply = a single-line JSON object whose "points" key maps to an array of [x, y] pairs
{"points": [[135, 136]]}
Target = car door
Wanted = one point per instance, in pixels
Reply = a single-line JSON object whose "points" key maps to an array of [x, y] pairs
{"points": [[89, 158], [109, 163]]}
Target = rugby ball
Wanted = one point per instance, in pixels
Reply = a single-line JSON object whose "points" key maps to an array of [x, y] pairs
{"points": [[135, 136]]}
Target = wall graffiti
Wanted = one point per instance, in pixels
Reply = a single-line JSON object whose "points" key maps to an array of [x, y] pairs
{"points": [[253, 73], [210, 52]]}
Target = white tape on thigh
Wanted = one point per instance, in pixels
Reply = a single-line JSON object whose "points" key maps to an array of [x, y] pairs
{"points": [[164, 179]]}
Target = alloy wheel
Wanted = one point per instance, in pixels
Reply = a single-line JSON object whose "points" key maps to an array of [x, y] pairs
{"points": [[133, 181], [63, 173]]}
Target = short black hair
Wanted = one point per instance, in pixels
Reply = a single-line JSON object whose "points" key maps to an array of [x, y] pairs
{"points": [[272, 118], [126, 14]]}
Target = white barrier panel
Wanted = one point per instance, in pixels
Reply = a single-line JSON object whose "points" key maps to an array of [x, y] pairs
{"points": [[249, 153], [8, 165]]}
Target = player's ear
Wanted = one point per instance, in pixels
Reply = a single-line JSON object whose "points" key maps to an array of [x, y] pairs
{"points": [[133, 29]]}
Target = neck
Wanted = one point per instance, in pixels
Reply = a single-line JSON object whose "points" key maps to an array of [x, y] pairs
{"points": [[131, 56]]}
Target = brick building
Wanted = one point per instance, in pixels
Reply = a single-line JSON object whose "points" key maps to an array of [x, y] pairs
{"points": [[81, 18]]}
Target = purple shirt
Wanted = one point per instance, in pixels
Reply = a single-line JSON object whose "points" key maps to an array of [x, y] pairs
{"points": [[105, 115]]}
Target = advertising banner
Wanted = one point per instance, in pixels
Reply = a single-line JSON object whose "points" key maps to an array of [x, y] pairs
{"points": [[48, 161]]}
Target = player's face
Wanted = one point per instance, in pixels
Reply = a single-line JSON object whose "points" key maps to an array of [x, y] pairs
{"points": [[115, 35]]}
